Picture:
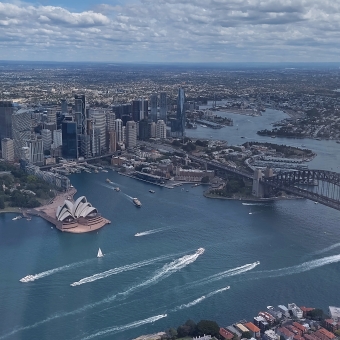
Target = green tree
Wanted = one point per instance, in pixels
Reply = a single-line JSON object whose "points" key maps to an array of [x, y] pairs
{"points": [[207, 327], [205, 179], [172, 333]]}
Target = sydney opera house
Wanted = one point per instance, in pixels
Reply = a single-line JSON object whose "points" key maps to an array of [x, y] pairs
{"points": [[79, 216]]}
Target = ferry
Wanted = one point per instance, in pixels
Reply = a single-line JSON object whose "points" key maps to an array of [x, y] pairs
{"points": [[152, 191], [16, 218], [27, 278], [136, 202], [117, 189]]}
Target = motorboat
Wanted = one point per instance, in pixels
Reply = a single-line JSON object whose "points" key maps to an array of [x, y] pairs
{"points": [[16, 218], [200, 251], [108, 181], [117, 189], [152, 191], [136, 202], [27, 278]]}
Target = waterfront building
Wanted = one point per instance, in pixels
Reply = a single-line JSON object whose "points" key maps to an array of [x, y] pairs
{"points": [[69, 139], [7, 147], [131, 134], [64, 108], [57, 138], [80, 113], [297, 312], [21, 130], [35, 145], [163, 106], [118, 127], [46, 138], [154, 103], [6, 112], [161, 129]]}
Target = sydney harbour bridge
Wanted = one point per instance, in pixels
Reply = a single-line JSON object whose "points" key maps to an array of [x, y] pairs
{"points": [[320, 186]]}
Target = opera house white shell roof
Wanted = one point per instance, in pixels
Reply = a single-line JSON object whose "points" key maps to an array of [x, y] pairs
{"points": [[80, 208]]}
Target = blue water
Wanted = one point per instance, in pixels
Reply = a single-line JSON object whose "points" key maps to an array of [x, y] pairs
{"points": [[296, 242]]}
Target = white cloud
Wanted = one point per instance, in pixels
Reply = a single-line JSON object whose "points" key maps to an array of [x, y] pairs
{"points": [[175, 30]]}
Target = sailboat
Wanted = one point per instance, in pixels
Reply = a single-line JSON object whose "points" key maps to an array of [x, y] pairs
{"points": [[100, 254]]}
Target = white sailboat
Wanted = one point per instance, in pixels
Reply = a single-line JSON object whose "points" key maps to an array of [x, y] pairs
{"points": [[100, 254]]}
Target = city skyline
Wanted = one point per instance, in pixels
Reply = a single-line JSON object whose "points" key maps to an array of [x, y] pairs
{"points": [[170, 31]]}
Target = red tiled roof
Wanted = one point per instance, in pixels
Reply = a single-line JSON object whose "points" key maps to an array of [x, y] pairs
{"points": [[327, 333], [226, 334], [252, 327], [306, 309], [286, 332], [299, 326]]}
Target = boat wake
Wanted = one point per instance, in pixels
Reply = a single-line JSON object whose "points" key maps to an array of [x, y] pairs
{"points": [[227, 273], [325, 250], [300, 268], [152, 231], [118, 329], [244, 203], [159, 275], [30, 278], [119, 270], [202, 298]]}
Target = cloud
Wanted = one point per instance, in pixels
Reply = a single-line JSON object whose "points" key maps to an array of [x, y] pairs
{"points": [[174, 30]]}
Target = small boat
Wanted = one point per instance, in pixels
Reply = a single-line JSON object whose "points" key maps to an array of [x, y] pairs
{"points": [[117, 189], [242, 137], [108, 181], [315, 202], [16, 218], [200, 251], [27, 278], [136, 202], [257, 262], [104, 170], [28, 218], [152, 191], [96, 171], [273, 137], [100, 254]]}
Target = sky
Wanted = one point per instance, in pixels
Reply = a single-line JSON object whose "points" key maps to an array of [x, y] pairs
{"points": [[170, 30]]}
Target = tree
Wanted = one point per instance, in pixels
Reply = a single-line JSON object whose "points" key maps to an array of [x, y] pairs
{"points": [[2, 202], [205, 179], [207, 327], [316, 314], [172, 333]]}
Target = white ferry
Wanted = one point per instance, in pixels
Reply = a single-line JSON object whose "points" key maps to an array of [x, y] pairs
{"points": [[136, 202]]}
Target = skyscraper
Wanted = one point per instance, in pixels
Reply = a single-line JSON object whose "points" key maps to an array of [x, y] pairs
{"points": [[181, 111], [80, 113], [119, 130], [6, 112], [154, 102], [161, 129], [98, 118], [46, 138], [131, 134], [21, 127], [35, 145], [70, 139], [64, 108], [57, 138], [162, 106], [112, 141], [139, 109], [144, 132], [7, 147]]}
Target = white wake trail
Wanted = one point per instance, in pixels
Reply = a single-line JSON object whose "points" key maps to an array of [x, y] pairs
{"points": [[300, 268], [163, 273], [152, 231], [34, 277], [227, 273], [119, 270], [261, 204], [202, 298], [325, 250], [118, 329]]}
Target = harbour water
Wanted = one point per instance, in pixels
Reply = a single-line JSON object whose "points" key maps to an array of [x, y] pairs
{"points": [[156, 280]]}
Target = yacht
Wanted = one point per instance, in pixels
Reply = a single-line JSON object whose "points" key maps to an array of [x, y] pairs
{"points": [[117, 189], [136, 202], [16, 218], [27, 278], [108, 181], [200, 251], [152, 191], [104, 170], [100, 254]]}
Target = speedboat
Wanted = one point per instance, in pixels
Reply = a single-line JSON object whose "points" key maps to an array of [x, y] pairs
{"points": [[27, 278], [117, 189], [108, 181], [152, 191], [136, 202], [257, 262], [200, 251], [16, 218]]}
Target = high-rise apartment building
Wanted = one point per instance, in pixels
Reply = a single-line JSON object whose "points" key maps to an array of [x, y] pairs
{"points": [[144, 132], [7, 147], [46, 138], [98, 118], [112, 141], [139, 109], [161, 129], [69, 139], [119, 130], [110, 120], [57, 138], [21, 130], [152, 128], [163, 106], [131, 134], [35, 145], [154, 103], [64, 108], [52, 116], [6, 112], [80, 113]]}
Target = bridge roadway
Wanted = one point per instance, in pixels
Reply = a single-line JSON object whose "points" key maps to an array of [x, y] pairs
{"points": [[220, 166]]}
